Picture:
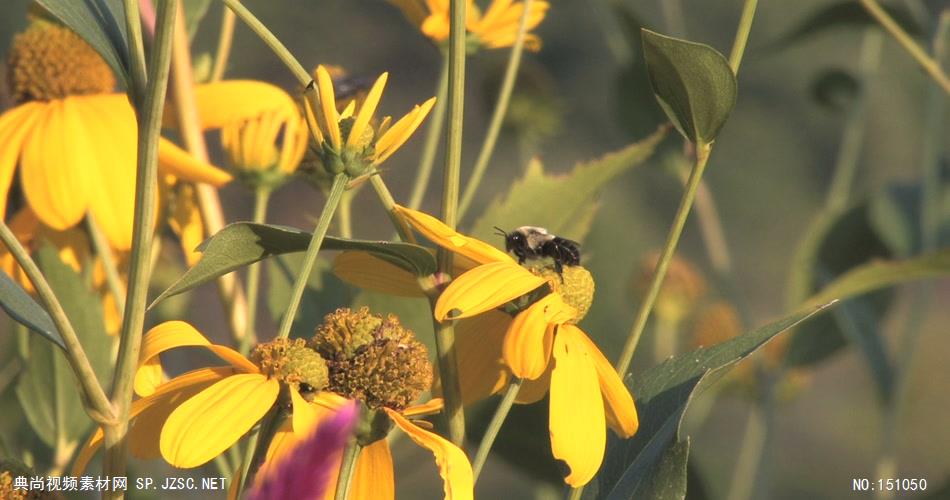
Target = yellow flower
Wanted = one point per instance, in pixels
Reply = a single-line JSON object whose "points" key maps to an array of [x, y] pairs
{"points": [[348, 141], [196, 416], [541, 344], [75, 140], [496, 28]]}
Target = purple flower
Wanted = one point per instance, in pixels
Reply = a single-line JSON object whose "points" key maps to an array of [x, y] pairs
{"points": [[304, 473]]}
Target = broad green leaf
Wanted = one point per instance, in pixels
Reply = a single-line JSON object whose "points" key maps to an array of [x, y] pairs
{"points": [[564, 204], [243, 243], [195, 11], [48, 390], [101, 23], [662, 395], [848, 14], [323, 294], [22, 308], [692, 82]]}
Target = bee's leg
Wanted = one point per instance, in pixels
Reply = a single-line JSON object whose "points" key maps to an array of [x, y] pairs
{"points": [[559, 268]]}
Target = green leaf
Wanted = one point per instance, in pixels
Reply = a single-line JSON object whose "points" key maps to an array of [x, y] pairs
{"points": [[662, 395], [243, 243], [101, 23], [692, 82], [564, 204], [22, 308], [195, 11], [848, 14], [47, 390]]}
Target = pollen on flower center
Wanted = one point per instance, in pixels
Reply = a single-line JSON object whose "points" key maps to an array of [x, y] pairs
{"points": [[575, 285], [372, 359], [51, 62], [292, 362]]}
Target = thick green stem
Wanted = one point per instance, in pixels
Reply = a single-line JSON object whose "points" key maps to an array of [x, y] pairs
{"points": [[104, 252], [498, 115], [136, 54], [742, 34], [146, 190], [347, 467], [345, 214], [920, 56], [672, 239], [225, 39], [316, 241], [261, 198], [497, 420], [433, 134], [445, 331]]}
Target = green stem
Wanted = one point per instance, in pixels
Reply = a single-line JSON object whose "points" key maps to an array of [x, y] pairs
{"points": [[927, 63], [300, 284], [750, 453], [498, 115], [672, 239], [347, 467], [501, 413], [389, 204], [433, 134], [275, 45], [104, 251], [253, 438], [261, 199], [225, 39], [445, 331], [146, 187], [345, 214], [742, 34], [136, 55]]}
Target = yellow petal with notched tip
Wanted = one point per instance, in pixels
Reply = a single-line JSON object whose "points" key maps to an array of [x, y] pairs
{"points": [[484, 288], [618, 402], [373, 475], [209, 423], [172, 334], [576, 421], [57, 165], [453, 465], [437, 232], [15, 126], [527, 344]]}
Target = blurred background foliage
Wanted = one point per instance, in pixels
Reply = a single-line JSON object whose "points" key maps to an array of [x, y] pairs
{"points": [[585, 94]]}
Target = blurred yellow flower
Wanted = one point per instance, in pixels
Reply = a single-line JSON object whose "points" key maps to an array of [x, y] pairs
{"points": [[348, 141], [496, 28], [541, 344], [75, 140]]}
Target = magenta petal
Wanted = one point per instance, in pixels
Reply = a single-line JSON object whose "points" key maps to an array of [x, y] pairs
{"points": [[305, 473]]}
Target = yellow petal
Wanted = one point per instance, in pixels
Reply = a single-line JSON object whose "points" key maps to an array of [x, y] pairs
{"points": [[185, 221], [367, 109], [430, 407], [176, 161], [172, 334], [437, 232], [210, 422], [478, 341], [305, 419], [165, 397], [329, 119], [484, 288], [576, 420], [533, 391], [221, 103], [57, 166], [15, 126], [348, 110], [527, 345], [399, 133], [305, 415], [621, 412], [373, 476], [453, 465], [372, 273]]}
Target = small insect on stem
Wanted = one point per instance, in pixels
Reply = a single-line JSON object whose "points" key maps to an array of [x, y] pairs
{"points": [[532, 242]]}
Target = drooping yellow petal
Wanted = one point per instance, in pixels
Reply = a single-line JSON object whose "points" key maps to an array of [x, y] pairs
{"points": [[372, 273], [373, 476], [224, 102], [437, 232], [15, 126], [430, 407], [163, 397], [57, 166], [618, 402], [401, 131], [186, 222], [210, 422], [367, 109], [172, 334], [527, 344], [482, 372], [484, 288], [329, 119], [305, 415], [453, 465], [576, 421], [176, 161], [533, 390]]}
